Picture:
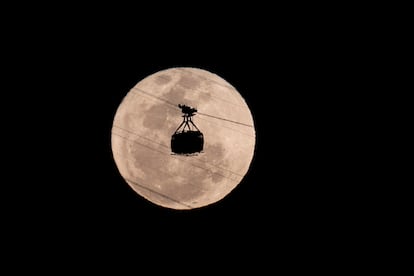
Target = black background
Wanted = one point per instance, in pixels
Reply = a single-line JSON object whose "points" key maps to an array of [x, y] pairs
{"points": [[68, 194]]}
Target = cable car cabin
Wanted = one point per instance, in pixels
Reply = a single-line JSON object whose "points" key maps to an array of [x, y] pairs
{"points": [[187, 139], [187, 142]]}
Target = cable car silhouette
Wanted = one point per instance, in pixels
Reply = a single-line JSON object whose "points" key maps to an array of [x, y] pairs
{"points": [[187, 139]]}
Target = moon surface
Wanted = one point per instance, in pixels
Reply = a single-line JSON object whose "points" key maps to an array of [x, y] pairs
{"points": [[148, 116]]}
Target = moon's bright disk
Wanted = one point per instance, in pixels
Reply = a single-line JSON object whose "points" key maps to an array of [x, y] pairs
{"points": [[149, 115]]}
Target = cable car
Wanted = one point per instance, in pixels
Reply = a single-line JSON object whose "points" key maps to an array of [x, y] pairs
{"points": [[187, 139]]}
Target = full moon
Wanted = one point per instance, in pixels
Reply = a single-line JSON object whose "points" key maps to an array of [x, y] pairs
{"points": [[149, 115]]}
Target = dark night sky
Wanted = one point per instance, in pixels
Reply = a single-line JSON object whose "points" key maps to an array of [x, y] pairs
{"points": [[285, 185], [294, 192]]}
